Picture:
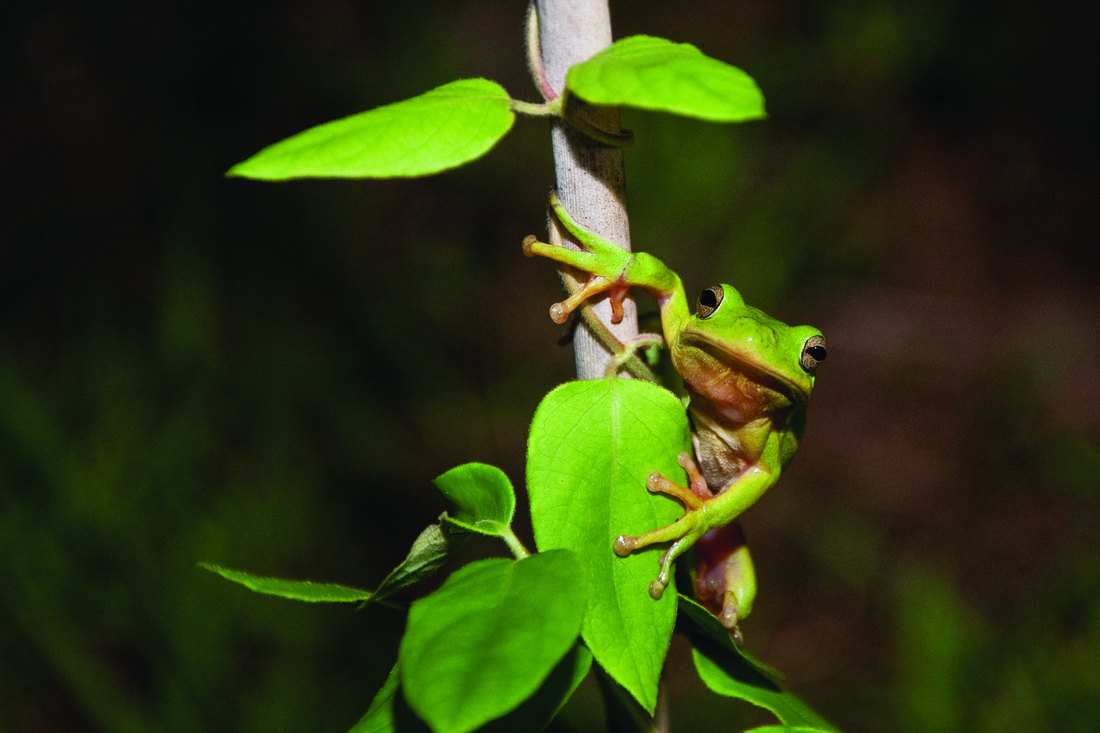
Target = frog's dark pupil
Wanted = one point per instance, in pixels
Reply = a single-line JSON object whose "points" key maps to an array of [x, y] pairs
{"points": [[707, 299], [817, 352]]}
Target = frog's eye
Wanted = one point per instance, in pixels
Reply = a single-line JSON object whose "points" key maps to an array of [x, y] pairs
{"points": [[813, 352], [709, 300]]}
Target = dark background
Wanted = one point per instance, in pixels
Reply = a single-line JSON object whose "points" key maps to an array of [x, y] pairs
{"points": [[268, 376]]}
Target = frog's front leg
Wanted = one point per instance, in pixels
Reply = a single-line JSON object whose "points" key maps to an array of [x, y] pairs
{"points": [[704, 512], [596, 284], [611, 268], [685, 530]]}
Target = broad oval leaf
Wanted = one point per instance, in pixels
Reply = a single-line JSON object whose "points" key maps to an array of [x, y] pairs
{"points": [[389, 713], [537, 711], [479, 498], [591, 448], [484, 642], [657, 74], [440, 129], [298, 590]]}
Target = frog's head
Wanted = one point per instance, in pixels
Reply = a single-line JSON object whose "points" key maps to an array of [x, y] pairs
{"points": [[743, 361]]}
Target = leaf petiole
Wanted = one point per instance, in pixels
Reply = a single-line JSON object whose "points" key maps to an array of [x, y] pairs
{"points": [[536, 110], [514, 544]]}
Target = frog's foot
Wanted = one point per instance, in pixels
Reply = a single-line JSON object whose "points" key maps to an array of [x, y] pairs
{"points": [[725, 580], [683, 532], [602, 259], [586, 261]]}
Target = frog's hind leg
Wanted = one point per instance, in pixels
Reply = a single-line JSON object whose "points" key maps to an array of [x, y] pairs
{"points": [[725, 580]]}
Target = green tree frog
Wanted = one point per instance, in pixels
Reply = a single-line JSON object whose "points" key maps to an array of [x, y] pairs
{"points": [[747, 378]]}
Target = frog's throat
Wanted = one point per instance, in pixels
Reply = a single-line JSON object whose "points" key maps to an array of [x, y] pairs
{"points": [[747, 365]]}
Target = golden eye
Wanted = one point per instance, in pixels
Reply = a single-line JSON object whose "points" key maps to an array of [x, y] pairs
{"points": [[813, 353], [709, 300]]}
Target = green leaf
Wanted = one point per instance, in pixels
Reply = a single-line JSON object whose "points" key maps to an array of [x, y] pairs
{"points": [[479, 498], [486, 640], [733, 676], [389, 713], [622, 712], [591, 448], [657, 74], [298, 590], [430, 550], [537, 711], [787, 729], [428, 553], [386, 709], [440, 129], [695, 620], [728, 670]]}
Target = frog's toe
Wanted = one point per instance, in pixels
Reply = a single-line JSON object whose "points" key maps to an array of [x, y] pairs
{"points": [[736, 636], [625, 544], [529, 243], [656, 482], [559, 313], [728, 616]]}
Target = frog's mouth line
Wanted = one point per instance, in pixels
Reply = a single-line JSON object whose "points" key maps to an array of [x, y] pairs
{"points": [[760, 375]]}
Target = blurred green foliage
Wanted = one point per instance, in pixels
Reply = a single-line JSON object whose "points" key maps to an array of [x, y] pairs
{"points": [[269, 376]]}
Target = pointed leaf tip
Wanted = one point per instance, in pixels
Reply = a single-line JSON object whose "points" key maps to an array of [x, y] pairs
{"points": [[441, 129], [296, 590], [657, 74]]}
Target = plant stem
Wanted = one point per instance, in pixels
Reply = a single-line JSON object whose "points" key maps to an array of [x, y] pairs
{"points": [[590, 177], [591, 182]]}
